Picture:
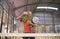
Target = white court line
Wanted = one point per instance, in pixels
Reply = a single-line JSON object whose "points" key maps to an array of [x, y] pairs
{"points": [[29, 34]]}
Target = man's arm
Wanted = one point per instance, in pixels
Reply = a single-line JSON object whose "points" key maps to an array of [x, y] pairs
{"points": [[33, 24], [20, 17]]}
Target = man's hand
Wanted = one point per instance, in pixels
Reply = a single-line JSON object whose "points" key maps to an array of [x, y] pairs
{"points": [[32, 23]]}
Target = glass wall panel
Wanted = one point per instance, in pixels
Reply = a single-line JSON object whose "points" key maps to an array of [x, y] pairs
{"points": [[5, 22], [41, 22], [0, 15], [38, 14], [57, 20], [50, 21], [57, 28], [49, 29], [1, 11], [48, 18], [47, 15], [40, 28]]}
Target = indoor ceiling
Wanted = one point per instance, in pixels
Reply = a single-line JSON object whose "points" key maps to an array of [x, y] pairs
{"points": [[24, 5]]}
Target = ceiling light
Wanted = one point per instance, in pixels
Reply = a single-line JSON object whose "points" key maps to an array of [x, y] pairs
{"points": [[44, 7]]}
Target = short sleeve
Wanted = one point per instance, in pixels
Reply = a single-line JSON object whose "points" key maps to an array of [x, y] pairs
{"points": [[24, 18], [31, 18]]}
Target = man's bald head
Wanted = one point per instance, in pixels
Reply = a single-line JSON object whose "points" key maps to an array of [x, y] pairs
{"points": [[29, 12]]}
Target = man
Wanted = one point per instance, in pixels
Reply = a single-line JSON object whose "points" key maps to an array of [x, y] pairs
{"points": [[26, 18]]}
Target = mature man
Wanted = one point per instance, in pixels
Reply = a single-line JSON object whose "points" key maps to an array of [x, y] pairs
{"points": [[26, 18]]}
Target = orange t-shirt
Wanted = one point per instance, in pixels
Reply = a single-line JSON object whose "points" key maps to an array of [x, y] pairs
{"points": [[27, 26]]}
